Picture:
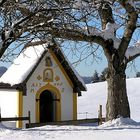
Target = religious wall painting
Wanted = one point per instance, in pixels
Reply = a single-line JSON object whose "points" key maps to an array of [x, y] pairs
{"points": [[48, 75], [32, 90], [39, 77], [57, 78]]}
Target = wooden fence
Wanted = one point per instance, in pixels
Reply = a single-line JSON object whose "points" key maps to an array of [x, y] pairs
{"points": [[28, 118], [98, 120], [69, 122]]}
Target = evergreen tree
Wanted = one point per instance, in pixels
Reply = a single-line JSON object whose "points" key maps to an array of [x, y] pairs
{"points": [[95, 78], [138, 74], [103, 74]]}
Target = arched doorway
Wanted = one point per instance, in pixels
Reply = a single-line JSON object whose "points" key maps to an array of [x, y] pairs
{"points": [[56, 101], [47, 106]]}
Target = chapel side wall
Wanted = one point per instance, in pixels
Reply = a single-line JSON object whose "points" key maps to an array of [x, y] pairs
{"points": [[59, 81], [9, 105]]}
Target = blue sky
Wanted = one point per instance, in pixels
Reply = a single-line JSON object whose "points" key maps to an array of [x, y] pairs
{"points": [[87, 69], [92, 63]]}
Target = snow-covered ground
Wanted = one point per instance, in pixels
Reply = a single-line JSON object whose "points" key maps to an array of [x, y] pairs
{"points": [[88, 103], [119, 129]]}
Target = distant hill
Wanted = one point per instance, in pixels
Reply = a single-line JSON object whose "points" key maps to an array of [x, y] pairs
{"points": [[2, 70], [87, 79]]}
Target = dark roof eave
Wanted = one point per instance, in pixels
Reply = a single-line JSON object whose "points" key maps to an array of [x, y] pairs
{"points": [[6, 86], [76, 82], [19, 87]]}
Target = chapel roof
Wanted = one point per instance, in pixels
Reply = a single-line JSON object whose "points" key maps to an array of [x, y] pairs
{"points": [[24, 65]]}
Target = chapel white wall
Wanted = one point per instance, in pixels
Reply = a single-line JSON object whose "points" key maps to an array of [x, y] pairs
{"points": [[33, 85], [8, 105]]}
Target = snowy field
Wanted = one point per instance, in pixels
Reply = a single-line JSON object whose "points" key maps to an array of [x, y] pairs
{"points": [[88, 103], [119, 129]]}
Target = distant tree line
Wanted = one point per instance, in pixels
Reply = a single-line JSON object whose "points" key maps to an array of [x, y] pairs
{"points": [[99, 78], [87, 79], [102, 77], [96, 77], [138, 74]]}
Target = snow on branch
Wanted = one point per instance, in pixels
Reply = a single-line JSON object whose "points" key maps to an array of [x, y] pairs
{"points": [[107, 33], [133, 52], [79, 4]]}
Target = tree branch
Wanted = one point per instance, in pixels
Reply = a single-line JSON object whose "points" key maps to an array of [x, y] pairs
{"points": [[105, 13], [71, 34], [133, 52], [130, 28], [4, 47], [2, 2], [133, 57]]}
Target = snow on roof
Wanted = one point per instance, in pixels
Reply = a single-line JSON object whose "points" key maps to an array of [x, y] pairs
{"points": [[23, 65], [26, 62]]}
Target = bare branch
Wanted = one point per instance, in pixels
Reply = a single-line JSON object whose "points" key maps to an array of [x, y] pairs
{"points": [[76, 36], [133, 57], [130, 27], [2, 2], [105, 13], [133, 52]]}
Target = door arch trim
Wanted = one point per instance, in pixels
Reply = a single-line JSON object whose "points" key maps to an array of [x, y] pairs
{"points": [[57, 94]]}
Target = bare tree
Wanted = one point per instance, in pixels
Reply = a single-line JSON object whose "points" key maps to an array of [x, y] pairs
{"points": [[112, 24]]}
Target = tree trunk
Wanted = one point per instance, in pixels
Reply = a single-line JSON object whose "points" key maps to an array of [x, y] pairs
{"points": [[117, 101]]}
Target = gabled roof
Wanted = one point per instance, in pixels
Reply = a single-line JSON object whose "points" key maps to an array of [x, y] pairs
{"points": [[24, 65]]}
